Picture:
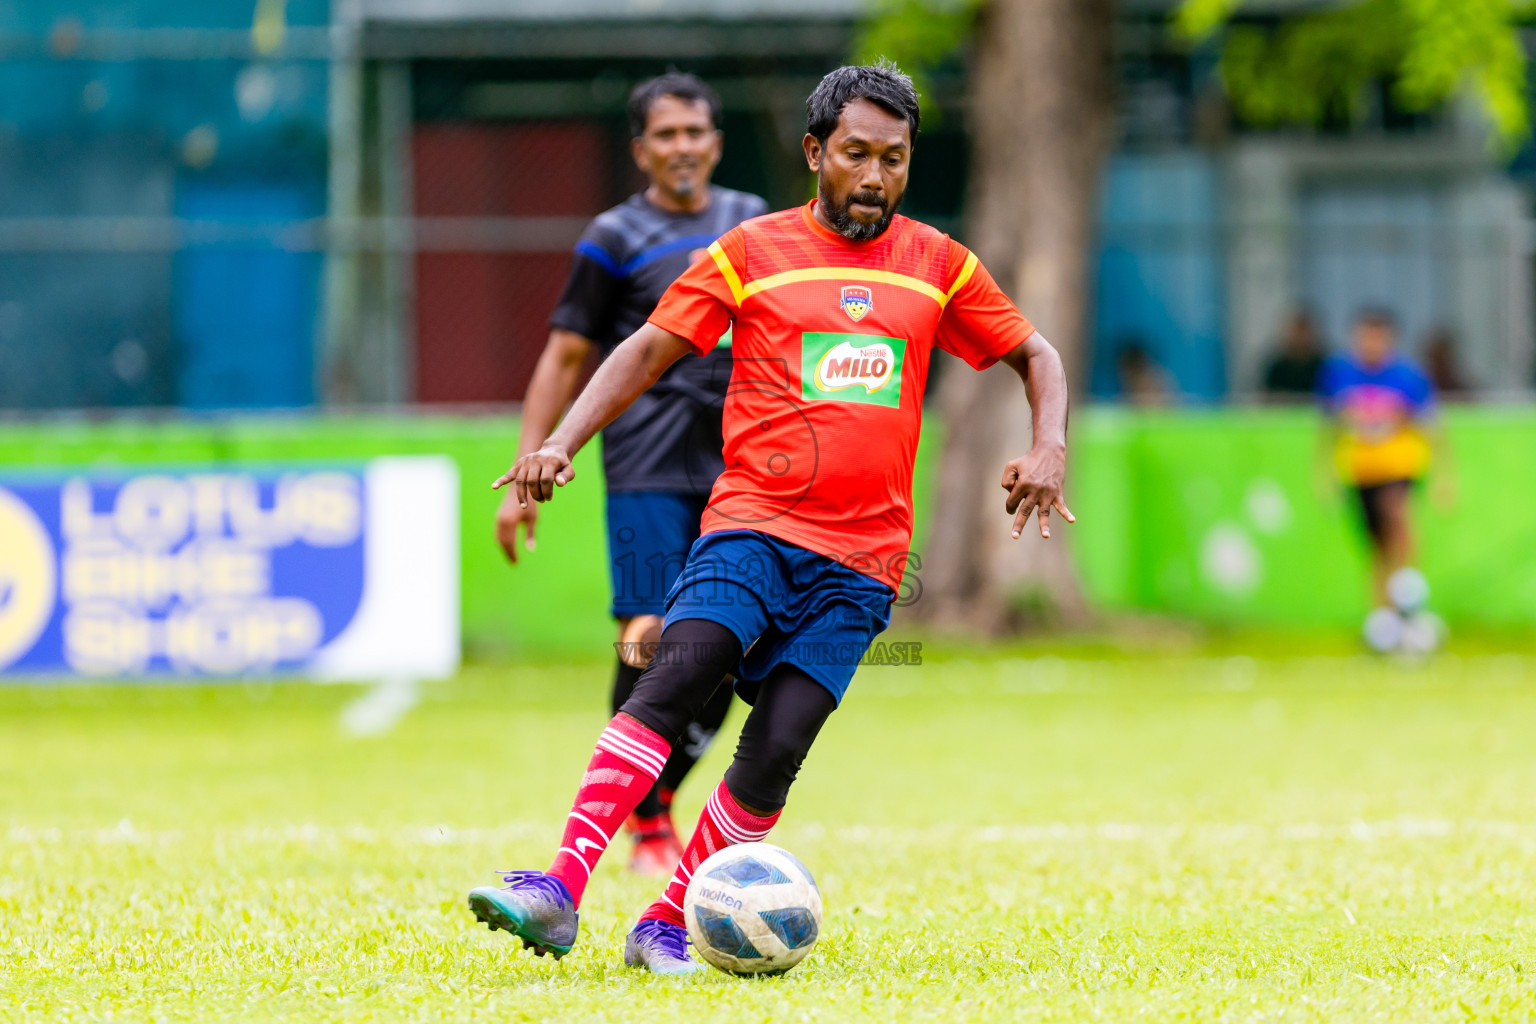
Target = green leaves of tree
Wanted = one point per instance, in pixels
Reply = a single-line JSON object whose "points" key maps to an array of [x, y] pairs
{"points": [[1302, 69], [916, 34], [1315, 66]]}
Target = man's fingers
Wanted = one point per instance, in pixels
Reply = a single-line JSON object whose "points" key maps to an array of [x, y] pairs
{"points": [[501, 481], [1022, 518], [546, 484], [1020, 490], [520, 489], [1061, 506], [1010, 477], [506, 531], [1045, 522]]}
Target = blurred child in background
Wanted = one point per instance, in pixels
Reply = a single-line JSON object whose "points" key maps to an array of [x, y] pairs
{"points": [[1384, 434]]}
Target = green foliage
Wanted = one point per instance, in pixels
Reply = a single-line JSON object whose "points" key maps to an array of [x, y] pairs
{"points": [[1199, 18], [917, 34], [1315, 66]]}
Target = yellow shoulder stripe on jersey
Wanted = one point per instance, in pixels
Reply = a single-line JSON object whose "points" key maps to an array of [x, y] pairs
{"points": [[727, 271], [966, 270], [844, 274]]}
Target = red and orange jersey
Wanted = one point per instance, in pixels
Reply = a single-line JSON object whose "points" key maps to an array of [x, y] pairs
{"points": [[831, 345]]}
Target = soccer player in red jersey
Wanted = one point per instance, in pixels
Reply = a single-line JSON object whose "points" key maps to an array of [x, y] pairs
{"points": [[662, 455], [835, 308]]}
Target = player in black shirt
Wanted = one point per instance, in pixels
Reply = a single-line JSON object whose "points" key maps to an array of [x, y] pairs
{"points": [[662, 454]]}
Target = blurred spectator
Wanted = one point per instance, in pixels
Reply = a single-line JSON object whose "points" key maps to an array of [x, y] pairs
{"points": [[1442, 365], [1292, 374], [1383, 433], [1142, 381]]}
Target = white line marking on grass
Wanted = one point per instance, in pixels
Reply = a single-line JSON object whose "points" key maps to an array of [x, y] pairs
{"points": [[1205, 832], [381, 708], [1405, 829], [299, 834]]}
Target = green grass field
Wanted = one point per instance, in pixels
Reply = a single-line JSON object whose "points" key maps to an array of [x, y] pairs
{"points": [[1181, 838]]}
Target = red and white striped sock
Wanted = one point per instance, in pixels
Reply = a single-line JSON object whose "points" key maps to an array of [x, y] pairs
{"points": [[623, 768], [723, 823]]}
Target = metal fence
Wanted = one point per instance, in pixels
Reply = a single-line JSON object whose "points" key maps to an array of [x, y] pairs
{"points": [[287, 216], [279, 215]]}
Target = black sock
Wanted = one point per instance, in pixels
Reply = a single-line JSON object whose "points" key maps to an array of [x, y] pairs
{"points": [[649, 805]]}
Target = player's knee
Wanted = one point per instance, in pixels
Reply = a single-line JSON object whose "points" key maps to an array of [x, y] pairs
{"points": [[682, 676], [760, 777], [666, 697], [661, 710], [763, 791]]}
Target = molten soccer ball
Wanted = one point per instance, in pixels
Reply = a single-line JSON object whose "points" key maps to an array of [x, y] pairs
{"points": [[752, 909]]}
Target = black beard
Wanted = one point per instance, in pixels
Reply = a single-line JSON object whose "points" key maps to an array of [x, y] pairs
{"points": [[856, 230]]}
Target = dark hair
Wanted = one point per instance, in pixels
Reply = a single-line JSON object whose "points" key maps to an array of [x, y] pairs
{"points": [[673, 83], [1133, 354], [882, 84], [1376, 316]]}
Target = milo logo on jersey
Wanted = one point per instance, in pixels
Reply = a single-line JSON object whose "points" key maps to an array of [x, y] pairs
{"points": [[863, 368]]}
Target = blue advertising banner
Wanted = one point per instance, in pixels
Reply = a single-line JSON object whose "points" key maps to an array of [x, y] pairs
{"points": [[227, 571]]}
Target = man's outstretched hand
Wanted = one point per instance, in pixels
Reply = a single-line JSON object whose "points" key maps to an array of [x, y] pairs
{"points": [[537, 474], [1034, 483]]}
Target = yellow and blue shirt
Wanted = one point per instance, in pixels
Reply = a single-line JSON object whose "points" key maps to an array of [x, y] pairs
{"points": [[1379, 410]]}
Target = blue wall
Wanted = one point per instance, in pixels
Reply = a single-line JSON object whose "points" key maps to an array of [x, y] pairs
{"points": [[244, 317], [1160, 283], [212, 139]]}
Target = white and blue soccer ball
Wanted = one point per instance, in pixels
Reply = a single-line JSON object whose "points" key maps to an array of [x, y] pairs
{"points": [[1415, 636], [1383, 630], [1408, 590], [1423, 633], [753, 909]]}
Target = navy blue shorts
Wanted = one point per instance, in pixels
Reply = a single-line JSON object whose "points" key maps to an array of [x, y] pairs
{"points": [[649, 534], [800, 608]]}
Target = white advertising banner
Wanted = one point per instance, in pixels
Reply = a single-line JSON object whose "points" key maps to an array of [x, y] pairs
{"points": [[331, 572]]}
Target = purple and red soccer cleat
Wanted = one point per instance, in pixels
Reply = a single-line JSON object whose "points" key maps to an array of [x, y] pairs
{"points": [[535, 907], [661, 947]]}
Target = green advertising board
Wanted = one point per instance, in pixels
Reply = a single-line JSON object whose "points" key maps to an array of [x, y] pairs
{"points": [[1215, 515], [554, 602], [1224, 516]]}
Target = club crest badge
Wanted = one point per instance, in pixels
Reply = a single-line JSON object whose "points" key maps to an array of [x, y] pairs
{"points": [[857, 301]]}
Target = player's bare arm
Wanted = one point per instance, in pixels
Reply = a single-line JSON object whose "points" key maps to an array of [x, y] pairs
{"points": [[1034, 481], [633, 367], [549, 392]]}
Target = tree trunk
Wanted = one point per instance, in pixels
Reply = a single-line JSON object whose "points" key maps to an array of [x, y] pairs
{"points": [[1041, 109]]}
